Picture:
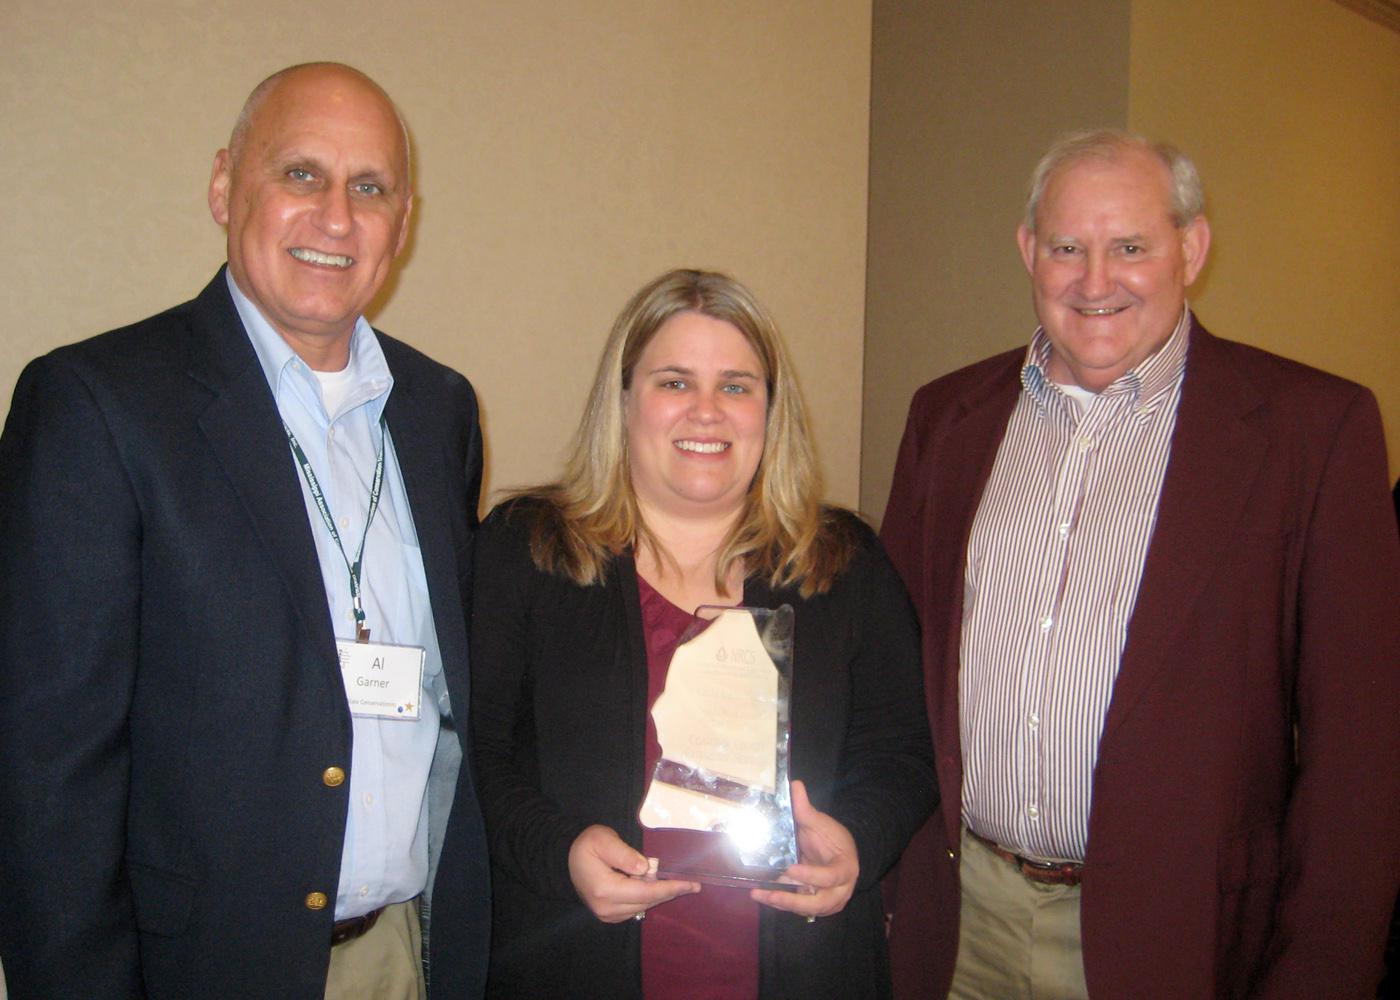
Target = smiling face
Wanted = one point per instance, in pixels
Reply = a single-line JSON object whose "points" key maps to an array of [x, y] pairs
{"points": [[1109, 267], [316, 199], [696, 412]]}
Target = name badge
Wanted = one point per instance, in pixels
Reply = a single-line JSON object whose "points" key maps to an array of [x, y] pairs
{"points": [[381, 681]]}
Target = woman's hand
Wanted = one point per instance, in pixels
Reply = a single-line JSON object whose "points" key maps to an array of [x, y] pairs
{"points": [[609, 877], [828, 868]]}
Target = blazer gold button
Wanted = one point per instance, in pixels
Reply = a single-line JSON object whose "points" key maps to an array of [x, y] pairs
{"points": [[952, 855], [333, 777], [316, 900]]}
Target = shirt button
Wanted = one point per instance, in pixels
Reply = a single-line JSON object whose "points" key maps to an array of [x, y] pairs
{"points": [[1033, 811], [1085, 443], [364, 890], [316, 900], [332, 777], [369, 798], [1046, 623], [1033, 720], [1063, 529], [344, 524]]}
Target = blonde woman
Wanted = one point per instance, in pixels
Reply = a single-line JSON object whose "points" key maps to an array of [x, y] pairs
{"points": [[692, 482]]}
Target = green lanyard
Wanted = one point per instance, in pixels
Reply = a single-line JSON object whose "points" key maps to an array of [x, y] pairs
{"points": [[361, 633]]}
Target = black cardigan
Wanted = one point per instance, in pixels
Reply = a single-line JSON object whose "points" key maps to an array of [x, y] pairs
{"points": [[559, 685]]}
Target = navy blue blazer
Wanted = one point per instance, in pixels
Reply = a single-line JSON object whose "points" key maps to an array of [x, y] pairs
{"points": [[169, 691]]}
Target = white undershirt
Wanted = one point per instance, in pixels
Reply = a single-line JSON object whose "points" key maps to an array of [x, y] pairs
{"points": [[335, 386]]}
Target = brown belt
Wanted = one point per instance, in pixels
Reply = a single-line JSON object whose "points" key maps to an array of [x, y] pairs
{"points": [[1046, 872], [353, 927]]}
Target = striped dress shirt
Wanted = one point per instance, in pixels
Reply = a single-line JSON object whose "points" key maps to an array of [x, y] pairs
{"points": [[1053, 567]]}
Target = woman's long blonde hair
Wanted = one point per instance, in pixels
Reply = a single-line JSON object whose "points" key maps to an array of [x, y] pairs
{"points": [[590, 515]]}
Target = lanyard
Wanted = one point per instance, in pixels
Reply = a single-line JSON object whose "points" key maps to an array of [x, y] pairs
{"points": [[361, 633]]}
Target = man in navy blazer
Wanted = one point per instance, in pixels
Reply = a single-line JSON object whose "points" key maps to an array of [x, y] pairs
{"points": [[232, 733], [1158, 577]]}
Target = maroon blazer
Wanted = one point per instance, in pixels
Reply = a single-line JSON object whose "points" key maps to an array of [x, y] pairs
{"points": [[1225, 858]]}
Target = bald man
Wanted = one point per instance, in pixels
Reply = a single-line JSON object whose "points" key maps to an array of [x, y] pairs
{"points": [[234, 546]]}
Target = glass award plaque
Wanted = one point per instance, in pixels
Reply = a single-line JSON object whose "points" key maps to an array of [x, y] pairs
{"points": [[723, 725]]}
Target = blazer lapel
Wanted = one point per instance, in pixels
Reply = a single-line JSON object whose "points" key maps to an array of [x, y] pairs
{"points": [[1215, 456], [246, 436]]}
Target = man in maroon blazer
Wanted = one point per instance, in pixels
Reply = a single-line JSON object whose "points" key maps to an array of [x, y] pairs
{"points": [[1159, 580]]}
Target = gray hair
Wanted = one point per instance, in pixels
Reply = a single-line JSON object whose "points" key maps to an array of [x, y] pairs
{"points": [[1188, 199], [260, 93]]}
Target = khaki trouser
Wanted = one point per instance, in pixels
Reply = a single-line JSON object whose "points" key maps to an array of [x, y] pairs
{"points": [[1019, 940], [385, 963]]}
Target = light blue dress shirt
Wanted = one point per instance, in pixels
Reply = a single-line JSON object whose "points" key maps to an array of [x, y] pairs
{"points": [[385, 858]]}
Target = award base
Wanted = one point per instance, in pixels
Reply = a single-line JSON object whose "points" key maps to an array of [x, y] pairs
{"points": [[711, 859], [755, 878]]}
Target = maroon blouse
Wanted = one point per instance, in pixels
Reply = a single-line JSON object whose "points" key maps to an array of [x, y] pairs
{"points": [[705, 946]]}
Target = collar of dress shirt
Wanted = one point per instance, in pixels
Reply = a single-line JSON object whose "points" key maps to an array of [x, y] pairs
{"points": [[370, 371], [1144, 385]]}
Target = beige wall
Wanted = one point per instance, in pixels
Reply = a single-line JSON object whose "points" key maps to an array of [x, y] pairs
{"points": [[1291, 109], [965, 96], [567, 152]]}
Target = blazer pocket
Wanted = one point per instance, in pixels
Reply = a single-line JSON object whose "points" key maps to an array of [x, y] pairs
{"points": [[163, 900]]}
